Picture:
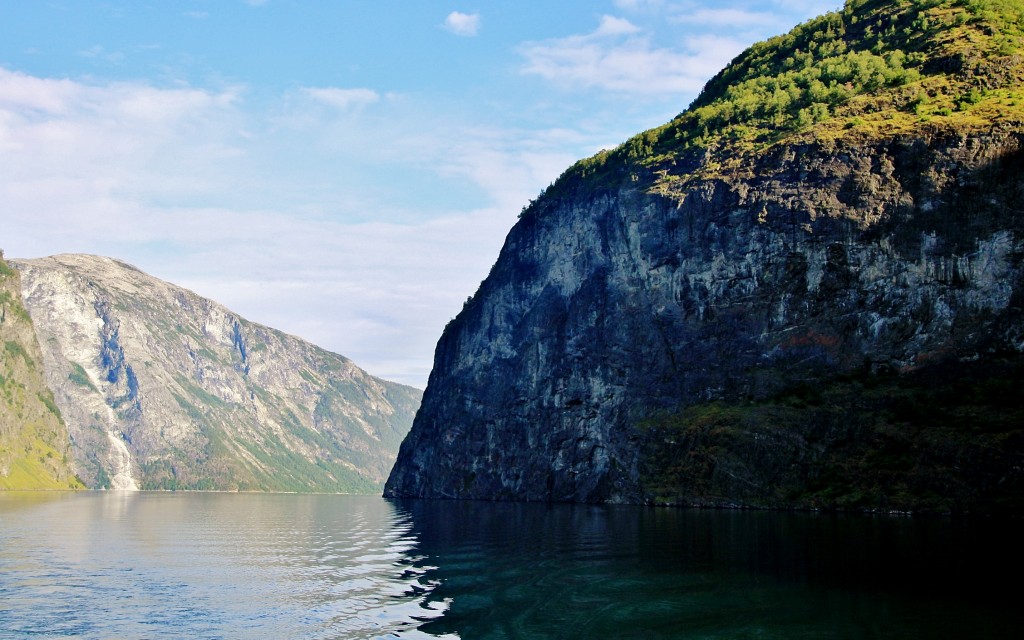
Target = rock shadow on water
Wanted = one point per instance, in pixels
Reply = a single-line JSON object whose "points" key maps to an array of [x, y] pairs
{"points": [[529, 570]]}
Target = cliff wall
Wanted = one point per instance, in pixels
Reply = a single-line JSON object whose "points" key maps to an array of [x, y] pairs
{"points": [[762, 314]]}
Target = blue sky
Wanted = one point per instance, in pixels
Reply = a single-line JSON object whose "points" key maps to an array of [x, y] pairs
{"points": [[345, 171]]}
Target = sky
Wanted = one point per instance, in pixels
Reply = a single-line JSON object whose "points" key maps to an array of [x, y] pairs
{"points": [[347, 170]]}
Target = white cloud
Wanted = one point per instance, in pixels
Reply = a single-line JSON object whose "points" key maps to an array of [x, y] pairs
{"points": [[612, 26], [90, 156], [23, 94], [281, 215], [66, 96], [462, 24], [618, 57], [342, 98]]}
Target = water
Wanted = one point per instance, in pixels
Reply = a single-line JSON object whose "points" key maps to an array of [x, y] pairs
{"points": [[171, 565]]}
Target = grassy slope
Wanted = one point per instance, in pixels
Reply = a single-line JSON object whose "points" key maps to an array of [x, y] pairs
{"points": [[33, 438]]}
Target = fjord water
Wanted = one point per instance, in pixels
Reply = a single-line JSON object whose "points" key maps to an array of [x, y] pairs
{"points": [[211, 565]]}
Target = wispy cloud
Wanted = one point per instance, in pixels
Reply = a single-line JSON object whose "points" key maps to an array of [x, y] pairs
{"points": [[377, 292], [617, 56], [729, 18], [735, 18], [342, 98], [462, 24], [635, 5], [809, 7], [96, 51], [612, 26]]}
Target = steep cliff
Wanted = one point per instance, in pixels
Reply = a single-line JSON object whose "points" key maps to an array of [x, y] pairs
{"points": [[163, 389], [803, 291], [34, 446]]}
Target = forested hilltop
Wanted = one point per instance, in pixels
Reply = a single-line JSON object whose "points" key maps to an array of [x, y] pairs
{"points": [[803, 291], [34, 446], [875, 69]]}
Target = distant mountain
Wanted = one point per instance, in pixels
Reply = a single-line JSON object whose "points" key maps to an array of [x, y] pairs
{"points": [[34, 447], [164, 389], [806, 290]]}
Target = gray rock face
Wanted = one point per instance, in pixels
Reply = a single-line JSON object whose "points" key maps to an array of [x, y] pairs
{"points": [[161, 388], [609, 305]]}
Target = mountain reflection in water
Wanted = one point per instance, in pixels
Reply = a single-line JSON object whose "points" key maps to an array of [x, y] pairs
{"points": [[559, 571]]}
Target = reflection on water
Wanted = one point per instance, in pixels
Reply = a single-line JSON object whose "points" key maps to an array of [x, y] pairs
{"points": [[541, 571], [162, 565], [145, 565]]}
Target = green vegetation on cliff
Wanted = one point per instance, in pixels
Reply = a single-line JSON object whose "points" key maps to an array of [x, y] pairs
{"points": [[875, 68], [34, 446], [938, 439]]}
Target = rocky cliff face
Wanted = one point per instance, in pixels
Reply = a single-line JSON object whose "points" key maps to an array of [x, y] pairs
{"points": [[163, 389], [34, 445], [755, 320]]}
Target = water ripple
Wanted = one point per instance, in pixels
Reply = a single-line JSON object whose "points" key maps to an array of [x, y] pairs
{"points": [[157, 565]]}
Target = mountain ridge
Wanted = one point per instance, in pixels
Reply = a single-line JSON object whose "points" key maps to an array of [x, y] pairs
{"points": [[164, 389]]}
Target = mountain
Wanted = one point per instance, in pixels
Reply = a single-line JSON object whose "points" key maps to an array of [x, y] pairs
{"points": [[34, 446], [803, 291], [163, 389]]}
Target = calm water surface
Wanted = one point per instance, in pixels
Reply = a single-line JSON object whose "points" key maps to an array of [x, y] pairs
{"points": [[172, 565]]}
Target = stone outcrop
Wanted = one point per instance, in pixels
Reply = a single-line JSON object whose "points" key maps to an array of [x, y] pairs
{"points": [[650, 329], [163, 389]]}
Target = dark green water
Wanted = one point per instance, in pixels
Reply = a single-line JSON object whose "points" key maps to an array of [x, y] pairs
{"points": [[531, 571], [161, 565]]}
